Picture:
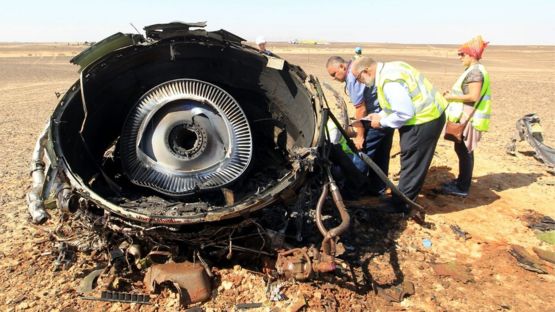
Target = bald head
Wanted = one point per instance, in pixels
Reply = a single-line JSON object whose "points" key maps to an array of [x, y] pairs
{"points": [[361, 64], [335, 60], [364, 69]]}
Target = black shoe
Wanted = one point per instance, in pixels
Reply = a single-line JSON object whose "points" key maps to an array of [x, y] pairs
{"points": [[453, 189], [450, 182]]}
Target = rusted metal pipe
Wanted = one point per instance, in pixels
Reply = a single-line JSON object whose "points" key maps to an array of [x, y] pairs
{"points": [[345, 218], [328, 243], [319, 206], [327, 247]]}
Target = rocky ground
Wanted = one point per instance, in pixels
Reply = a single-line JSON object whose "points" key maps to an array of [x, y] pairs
{"points": [[450, 271]]}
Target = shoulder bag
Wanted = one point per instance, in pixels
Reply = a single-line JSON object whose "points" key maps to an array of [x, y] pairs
{"points": [[454, 130]]}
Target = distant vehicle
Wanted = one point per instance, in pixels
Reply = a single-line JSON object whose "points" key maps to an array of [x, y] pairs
{"points": [[308, 42]]}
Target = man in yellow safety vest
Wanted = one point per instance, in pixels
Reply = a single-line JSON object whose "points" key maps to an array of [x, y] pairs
{"points": [[411, 104]]}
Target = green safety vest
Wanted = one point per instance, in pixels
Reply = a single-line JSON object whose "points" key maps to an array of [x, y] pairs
{"points": [[342, 140], [428, 103], [480, 119]]}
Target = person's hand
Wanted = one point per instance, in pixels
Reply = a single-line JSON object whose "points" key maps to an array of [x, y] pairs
{"points": [[447, 95], [350, 131], [359, 142], [375, 120]]}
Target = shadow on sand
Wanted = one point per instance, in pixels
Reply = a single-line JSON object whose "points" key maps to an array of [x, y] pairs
{"points": [[371, 261], [483, 190]]}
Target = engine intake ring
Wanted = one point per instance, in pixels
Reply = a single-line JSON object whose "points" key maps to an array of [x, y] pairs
{"points": [[184, 136]]}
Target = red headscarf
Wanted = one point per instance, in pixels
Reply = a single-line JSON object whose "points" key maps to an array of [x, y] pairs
{"points": [[475, 47]]}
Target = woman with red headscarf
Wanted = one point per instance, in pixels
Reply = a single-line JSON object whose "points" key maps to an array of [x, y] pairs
{"points": [[471, 88]]}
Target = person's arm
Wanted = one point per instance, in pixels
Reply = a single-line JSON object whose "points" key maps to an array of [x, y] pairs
{"points": [[358, 127], [474, 89], [356, 95], [401, 105]]}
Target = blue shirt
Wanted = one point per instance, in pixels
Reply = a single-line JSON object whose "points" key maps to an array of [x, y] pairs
{"points": [[359, 92]]}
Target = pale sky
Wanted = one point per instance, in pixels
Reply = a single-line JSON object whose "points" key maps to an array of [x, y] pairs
{"points": [[392, 21]]}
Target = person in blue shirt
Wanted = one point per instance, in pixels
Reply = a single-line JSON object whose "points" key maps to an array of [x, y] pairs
{"points": [[261, 44], [358, 53], [376, 143]]}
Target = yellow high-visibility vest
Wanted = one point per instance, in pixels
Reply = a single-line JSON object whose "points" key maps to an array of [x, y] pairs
{"points": [[342, 140], [428, 103], [480, 119]]}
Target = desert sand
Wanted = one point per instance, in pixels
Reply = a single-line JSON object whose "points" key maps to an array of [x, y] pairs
{"points": [[505, 189]]}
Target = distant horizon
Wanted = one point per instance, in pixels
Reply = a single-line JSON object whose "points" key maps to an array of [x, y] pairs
{"points": [[306, 44], [506, 23]]}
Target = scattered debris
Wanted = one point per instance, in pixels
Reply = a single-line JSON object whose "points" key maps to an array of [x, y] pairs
{"points": [[87, 284], [545, 224], [427, 243], [296, 305], [301, 263], [18, 299], [65, 256], [227, 285], [545, 254], [274, 291], [114, 296], [529, 128], [539, 222], [396, 293], [189, 279], [454, 270], [246, 306], [460, 232], [526, 260], [154, 257]]}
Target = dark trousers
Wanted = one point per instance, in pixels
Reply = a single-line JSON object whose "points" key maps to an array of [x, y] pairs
{"points": [[347, 175], [418, 144], [377, 145], [466, 166]]}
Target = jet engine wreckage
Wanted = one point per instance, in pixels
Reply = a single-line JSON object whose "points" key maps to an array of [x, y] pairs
{"points": [[189, 143]]}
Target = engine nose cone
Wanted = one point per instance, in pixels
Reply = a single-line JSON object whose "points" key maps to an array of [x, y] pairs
{"points": [[185, 135], [187, 141]]}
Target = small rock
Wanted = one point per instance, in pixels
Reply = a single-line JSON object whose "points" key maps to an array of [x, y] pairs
{"points": [[457, 271], [23, 306], [296, 305], [16, 300], [227, 285], [545, 254]]}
